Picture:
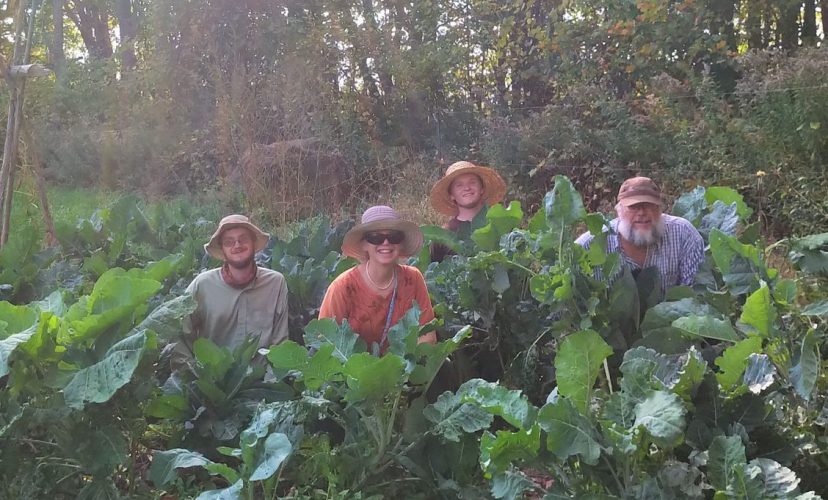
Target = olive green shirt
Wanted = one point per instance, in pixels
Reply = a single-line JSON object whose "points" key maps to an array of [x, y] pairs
{"points": [[227, 315]]}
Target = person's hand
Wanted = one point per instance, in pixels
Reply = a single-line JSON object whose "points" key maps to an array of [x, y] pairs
{"points": [[430, 338]]}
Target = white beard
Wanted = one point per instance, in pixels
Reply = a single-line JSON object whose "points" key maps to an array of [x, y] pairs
{"points": [[641, 238]]}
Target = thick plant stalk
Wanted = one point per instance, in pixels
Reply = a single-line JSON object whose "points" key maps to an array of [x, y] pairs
{"points": [[40, 184]]}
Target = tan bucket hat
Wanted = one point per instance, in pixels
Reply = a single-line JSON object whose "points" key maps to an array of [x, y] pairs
{"points": [[639, 190], [378, 218], [231, 222], [493, 186]]}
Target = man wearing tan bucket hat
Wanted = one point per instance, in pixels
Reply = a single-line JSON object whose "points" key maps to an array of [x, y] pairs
{"points": [[646, 238], [238, 299], [461, 194]]}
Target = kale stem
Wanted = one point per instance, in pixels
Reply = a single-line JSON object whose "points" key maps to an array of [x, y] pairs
{"points": [[614, 475]]}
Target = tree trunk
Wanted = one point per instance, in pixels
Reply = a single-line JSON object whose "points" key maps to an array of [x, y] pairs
{"points": [[809, 31], [823, 7], [788, 24], [57, 52], [753, 25], [128, 29], [92, 22]]}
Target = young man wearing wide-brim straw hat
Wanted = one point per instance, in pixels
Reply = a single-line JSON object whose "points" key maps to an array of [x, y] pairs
{"points": [[377, 293], [461, 194], [239, 299]]}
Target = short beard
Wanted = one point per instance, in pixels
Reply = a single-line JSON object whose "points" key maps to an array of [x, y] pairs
{"points": [[242, 265], [641, 238]]}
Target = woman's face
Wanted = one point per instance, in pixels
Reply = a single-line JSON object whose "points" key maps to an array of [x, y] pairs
{"points": [[379, 247]]}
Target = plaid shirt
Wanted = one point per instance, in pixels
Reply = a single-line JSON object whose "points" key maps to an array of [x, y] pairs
{"points": [[677, 255]]}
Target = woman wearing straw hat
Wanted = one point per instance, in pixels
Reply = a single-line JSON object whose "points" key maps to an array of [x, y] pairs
{"points": [[374, 295], [461, 194]]}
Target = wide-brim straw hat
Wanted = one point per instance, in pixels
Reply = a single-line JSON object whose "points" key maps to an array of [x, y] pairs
{"points": [[494, 188], [380, 218], [639, 190], [213, 247]]}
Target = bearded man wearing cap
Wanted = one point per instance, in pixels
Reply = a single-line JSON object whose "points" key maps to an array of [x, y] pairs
{"points": [[238, 299], [461, 194], [645, 237]]}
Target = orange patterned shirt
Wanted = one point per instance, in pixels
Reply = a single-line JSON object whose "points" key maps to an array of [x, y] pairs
{"points": [[350, 297]]}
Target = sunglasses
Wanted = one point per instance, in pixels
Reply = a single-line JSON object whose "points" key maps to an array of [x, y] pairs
{"points": [[393, 237]]}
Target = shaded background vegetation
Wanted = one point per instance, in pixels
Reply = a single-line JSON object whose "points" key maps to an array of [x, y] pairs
{"points": [[166, 96]]}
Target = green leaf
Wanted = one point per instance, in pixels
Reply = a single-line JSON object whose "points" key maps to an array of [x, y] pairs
{"points": [[116, 296], [679, 373], [563, 206], [662, 415], [580, 357], [100, 449], [724, 457], [165, 320], [759, 373], [316, 370], [164, 464], [727, 196], [372, 378], [784, 292], [441, 236], [500, 221], [452, 417], [810, 253], [733, 361], [99, 382], [738, 262], [759, 312], [690, 205], [9, 344], [402, 337], [816, 309], [277, 448], [511, 485], [435, 355], [172, 406], [706, 327], [222, 470], [537, 223], [779, 481], [805, 373], [721, 217], [233, 492], [511, 405], [569, 432], [15, 319], [500, 283], [746, 483], [162, 269], [658, 321], [498, 452], [344, 340], [214, 361]]}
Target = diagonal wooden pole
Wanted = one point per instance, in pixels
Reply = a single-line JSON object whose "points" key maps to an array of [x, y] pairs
{"points": [[16, 76]]}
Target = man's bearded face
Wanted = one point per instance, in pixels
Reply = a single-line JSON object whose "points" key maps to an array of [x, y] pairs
{"points": [[238, 246], [640, 224]]}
